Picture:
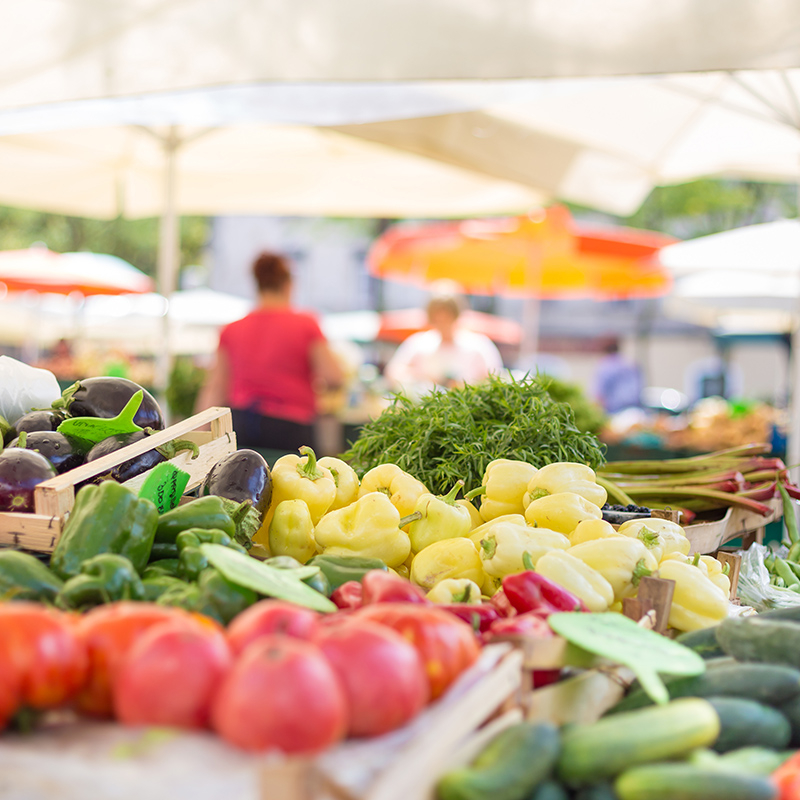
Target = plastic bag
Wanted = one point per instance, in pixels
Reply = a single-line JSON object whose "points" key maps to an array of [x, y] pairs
{"points": [[754, 587], [24, 388]]}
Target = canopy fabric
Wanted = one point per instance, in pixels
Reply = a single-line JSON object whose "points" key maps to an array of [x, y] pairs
{"points": [[57, 50], [547, 256]]}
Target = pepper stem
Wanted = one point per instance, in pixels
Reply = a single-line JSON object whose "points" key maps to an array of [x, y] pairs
{"points": [[489, 546], [450, 497], [475, 492], [640, 571], [409, 518], [537, 493], [310, 469], [527, 561], [696, 560], [649, 538]]}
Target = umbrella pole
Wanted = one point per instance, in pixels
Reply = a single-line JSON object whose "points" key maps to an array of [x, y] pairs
{"points": [[529, 347], [168, 249]]}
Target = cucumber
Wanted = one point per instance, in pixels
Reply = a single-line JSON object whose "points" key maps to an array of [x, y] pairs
{"points": [[550, 790], [789, 613], [771, 684], [510, 767], [791, 710], [703, 642], [597, 752], [687, 782], [746, 723], [599, 791], [772, 641], [753, 760]]}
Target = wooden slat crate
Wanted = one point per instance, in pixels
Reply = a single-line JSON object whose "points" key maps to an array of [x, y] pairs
{"points": [[74, 760], [54, 498]]}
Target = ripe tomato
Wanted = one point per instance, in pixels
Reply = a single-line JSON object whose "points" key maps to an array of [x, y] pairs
{"points": [[41, 646], [382, 674], [107, 633], [10, 686], [281, 694], [269, 617], [446, 644], [170, 674]]}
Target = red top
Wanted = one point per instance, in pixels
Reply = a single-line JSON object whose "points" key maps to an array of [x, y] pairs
{"points": [[270, 362]]}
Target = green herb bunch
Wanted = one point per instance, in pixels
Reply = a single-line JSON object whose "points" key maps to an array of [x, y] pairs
{"points": [[452, 435]]}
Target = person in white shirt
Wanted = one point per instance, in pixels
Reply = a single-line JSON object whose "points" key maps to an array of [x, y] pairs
{"points": [[444, 356]]}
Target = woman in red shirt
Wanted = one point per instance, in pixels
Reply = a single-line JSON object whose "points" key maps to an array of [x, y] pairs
{"points": [[270, 364]]}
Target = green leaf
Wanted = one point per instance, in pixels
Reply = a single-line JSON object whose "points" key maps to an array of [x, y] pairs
{"points": [[253, 574]]}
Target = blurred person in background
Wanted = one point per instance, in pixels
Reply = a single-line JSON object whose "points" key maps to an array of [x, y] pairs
{"points": [[617, 381], [271, 365], [444, 356]]}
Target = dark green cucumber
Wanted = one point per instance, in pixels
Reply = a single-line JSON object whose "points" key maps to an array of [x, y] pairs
{"points": [[771, 684], [602, 750], [771, 641], [510, 767], [789, 613], [703, 642], [746, 723], [791, 710], [753, 760], [686, 782], [599, 791], [550, 790], [24, 577]]}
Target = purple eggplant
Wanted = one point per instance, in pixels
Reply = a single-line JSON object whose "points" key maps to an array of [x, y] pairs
{"points": [[21, 471], [63, 452], [43, 420], [106, 397], [241, 475]]}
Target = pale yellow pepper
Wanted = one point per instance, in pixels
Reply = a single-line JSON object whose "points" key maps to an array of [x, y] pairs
{"points": [[299, 478], [565, 476], [455, 590], [401, 488], [291, 532], [696, 602], [450, 558], [482, 531], [717, 574], [622, 561], [694, 560], [504, 484], [475, 518], [561, 512], [671, 536], [504, 549], [345, 478], [578, 577], [589, 529], [440, 517], [370, 527]]}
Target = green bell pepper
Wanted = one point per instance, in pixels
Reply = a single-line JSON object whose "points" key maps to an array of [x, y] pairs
{"points": [[213, 595], [340, 569], [167, 566], [105, 578], [106, 518], [191, 559], [208, 512], [156, 585], [319, 581], [162, 551], [24, 577]]}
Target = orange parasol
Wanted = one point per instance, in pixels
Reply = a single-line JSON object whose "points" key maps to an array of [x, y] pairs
{"points": [[547, 256]]}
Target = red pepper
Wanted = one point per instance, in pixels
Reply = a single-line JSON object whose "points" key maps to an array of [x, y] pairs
{"points": [[544, 677], [500, 601], [348, 595], [528, 624], [529, 591], [380, 586], [480, 615]]}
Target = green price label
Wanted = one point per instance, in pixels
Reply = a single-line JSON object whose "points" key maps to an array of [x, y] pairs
{"points": [[165, 486], [95, 429]]}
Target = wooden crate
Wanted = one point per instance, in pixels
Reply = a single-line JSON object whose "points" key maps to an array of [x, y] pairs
{"points": [[74, 760], [708, 537], [54, 498]]}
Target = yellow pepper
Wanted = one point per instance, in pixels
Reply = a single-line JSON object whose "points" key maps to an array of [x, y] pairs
{"points": [[578, 577], [455, 590], [450, 558], [440, 517], [504, 548], [482, 531], [589, 529], [504, 483], [291, 532], [716, 574], [622, 561], [696, 603], [345, 478], [671, 537], [694, 560], [565, 476], [403, 570], [475, 518], [561, 512], [490, 585], [299, 478], [401, 488], [370, 527]]}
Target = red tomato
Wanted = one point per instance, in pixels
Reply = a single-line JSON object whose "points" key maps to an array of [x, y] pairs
{"points": [[108, 632], [10, 686], [787, 779], [170, 675], [281, 694], [382, 674], [446, 644], [40, 644], [268, 617]]}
